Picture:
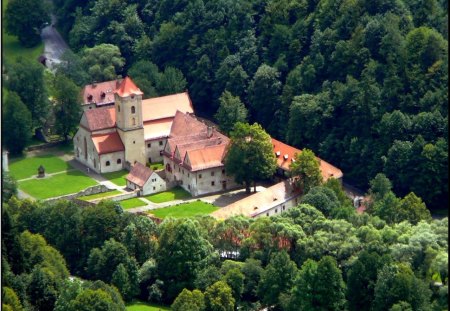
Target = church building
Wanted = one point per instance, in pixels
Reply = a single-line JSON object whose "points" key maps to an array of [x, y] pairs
{"points": [[113, 137]]}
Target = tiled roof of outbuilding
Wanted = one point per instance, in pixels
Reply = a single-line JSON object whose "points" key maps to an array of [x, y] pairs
{"points": [[139, 174]]}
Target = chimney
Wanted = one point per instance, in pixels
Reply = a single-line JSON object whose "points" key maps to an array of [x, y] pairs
{"points": [[209, 131]]}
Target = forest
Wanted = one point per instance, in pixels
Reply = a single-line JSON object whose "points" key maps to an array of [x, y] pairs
{"points": [[320, 255]]}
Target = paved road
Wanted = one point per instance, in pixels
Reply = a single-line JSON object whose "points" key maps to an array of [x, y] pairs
{"points": [[54, 44]]}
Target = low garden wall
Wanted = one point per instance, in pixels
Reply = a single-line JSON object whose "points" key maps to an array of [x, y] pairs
{"points": [[88, 191]]}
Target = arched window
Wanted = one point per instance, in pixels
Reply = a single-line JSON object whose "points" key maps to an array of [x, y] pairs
{"points": [[118, 107], [119, 161], [107, 163], [134, 121], [133, 110]]}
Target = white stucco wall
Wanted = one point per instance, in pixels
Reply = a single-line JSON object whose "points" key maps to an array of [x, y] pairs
{"points": [[200, 182], [153, 149], [112, 158], [89, 158], [154, 184], [280, 208]]}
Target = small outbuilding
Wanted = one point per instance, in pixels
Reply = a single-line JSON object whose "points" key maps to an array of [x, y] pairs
{"points": [[144, 179]]}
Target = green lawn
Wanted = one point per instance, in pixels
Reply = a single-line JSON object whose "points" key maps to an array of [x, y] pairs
{"points": [[11, 48], [185, 210], [21, 168], [177, 193], [156, 166], [132, 203], [117, 177], [144, 306], [57, 185], [99, 195]]}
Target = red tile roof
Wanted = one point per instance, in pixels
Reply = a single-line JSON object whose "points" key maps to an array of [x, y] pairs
{"points": [[207, 157], [190, 138], [127, 88], [99, 93], [139, 174], [101, 118], [107, 143], [166, 106], [258, 203], [285, 153]]}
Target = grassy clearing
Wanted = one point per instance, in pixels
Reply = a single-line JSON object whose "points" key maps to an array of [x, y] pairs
{"points": [[12, 49], [144, 306], [132, 203], [156, 166], [177, 193], [21, 168], [117, 178], [99, 195], [185, 210], [57, 185]]}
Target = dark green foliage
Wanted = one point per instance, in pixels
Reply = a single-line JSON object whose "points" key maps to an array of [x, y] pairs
{"points": [[67, 108], [112, 264], [276, 279], [16, 129], [26, 78], [25, 23], [231, 111], [182, 252], [361, 279], [306, 170], [9, 186], [250, 156], [397, 283], [322, 198], [319, 286], [103, 62]]}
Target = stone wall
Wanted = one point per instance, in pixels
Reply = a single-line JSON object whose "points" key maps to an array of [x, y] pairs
{"points": [[120, 197], [88, 191]]}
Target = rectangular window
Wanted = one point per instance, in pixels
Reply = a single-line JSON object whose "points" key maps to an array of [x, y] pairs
{"points": [[276, 210], [149, 145], [189, 187], [160, 143], [223, 171], [212, 183], [212, 173], [161, 153], [154, 188], [199, 175], [267, 214]]}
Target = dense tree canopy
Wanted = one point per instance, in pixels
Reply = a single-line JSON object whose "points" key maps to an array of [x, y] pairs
{"points": [[250, 155], [25, 19]]}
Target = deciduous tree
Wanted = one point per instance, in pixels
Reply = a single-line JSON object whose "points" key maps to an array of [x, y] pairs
{"points": [[306, 170], [250, 155], [231, 111]]}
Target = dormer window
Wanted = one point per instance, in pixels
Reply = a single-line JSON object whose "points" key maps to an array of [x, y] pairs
{"points": [[285, 156], [89, 97], [277, 153], [102, 94], [133, 109]]}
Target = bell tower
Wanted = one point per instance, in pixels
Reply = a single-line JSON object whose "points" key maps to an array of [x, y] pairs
{"points": [[128, 106]]}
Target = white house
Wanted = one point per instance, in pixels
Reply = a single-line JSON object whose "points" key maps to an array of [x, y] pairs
{"points": [[145, 179]]}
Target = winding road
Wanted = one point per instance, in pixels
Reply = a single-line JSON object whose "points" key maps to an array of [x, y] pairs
{"points": [[54, 44]]}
